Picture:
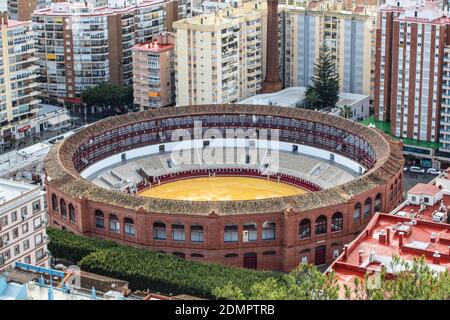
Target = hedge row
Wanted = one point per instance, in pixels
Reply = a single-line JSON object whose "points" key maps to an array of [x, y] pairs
{"points": [[71, 247], [145, 269]]}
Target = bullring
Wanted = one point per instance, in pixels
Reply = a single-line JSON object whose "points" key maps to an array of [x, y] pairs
{"points": [[272, 233]]}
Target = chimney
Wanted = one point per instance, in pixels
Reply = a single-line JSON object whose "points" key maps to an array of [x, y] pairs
{"points": [[382, 237], [400, 239], [360, 253], [346, 251], [436, 257], [272, 82], [388, 236], [433, 237]]}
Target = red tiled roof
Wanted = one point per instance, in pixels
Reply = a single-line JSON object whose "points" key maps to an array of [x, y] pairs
{"points": [[417, 242]]}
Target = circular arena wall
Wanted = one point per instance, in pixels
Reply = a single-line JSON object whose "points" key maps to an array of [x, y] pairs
{"points": [[272, 233]]}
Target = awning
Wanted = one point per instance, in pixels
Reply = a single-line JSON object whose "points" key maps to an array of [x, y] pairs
{"points": [[57, 120]]}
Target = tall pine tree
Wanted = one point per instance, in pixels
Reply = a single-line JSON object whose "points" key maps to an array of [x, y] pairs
{"points": [[325, 80]]}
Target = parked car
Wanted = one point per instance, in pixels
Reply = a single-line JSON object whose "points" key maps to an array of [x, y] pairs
{"points": [[433, 171], [416, 170]]}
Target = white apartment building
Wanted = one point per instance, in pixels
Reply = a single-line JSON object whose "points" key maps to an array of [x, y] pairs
{"points": [[22, 225], [219, 56], [349, 33], [18, 79]]}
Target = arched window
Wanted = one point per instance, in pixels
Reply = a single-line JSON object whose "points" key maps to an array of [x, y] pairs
{"points": [[99, 219], [391, 194], [129, 228], [114, 224], [250, 232], [230, 233], [197, 255], [269, 230], [63, 206], [72, 213], [378, 199], [231, 255], [178, 233], [159, 231], [304, 230], [367, 208], [337, 221], [321, 225], [196, 233], [357, 212], [55, 206]]}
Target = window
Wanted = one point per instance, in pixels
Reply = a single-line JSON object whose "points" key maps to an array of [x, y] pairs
{"points": [[426, 199], [250, 232], [38, 239], [304, 260], [63, 208], [268, 230], [367, 208], [231, 255], [179, 255], [197, 255], [196, 233], [321, 225], [114, 225], [3, 221], [269, 253], [129, 227], [39, 254], [14, 216], [337, 222], [357, 212], [15, 233], [304, 230], [71, 213], [26, 245], [378, 202], [27, 259], [55, 203], [99, 219], [16, 250], [178, 233], [36, 206], [37, 223], [159, 231], [23, 211], [230, 233], [6, 255], [25, 227]]}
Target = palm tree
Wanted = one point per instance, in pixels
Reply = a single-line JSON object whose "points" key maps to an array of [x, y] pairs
{"points": [[312, 98], [345, 111]]}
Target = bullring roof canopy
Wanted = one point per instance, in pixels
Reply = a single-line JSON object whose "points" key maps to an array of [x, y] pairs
{"points": [[66, 159]]}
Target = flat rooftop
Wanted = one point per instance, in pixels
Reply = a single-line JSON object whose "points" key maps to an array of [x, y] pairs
{"points": [[369, 252], [10, 190]]}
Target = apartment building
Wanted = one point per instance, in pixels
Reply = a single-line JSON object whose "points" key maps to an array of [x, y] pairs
{"points": [[81, 45], [411, 48], [154, 73], [22, 10], [219, 56], [18, 76], [349, 32], [22, 225]]}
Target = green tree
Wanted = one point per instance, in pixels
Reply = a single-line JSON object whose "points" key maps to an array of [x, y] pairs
{"points": [[303, 283], [345, 111], [312, 98], [325, 79], [108, 95]]}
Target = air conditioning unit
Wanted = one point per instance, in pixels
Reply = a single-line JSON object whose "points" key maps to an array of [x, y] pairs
{"points": [[245, 235]]}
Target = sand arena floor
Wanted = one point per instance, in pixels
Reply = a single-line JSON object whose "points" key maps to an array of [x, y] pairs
{"points": [[221, 188]]}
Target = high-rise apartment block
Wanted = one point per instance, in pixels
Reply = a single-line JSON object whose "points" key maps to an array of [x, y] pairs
{"points": [[412, 41], [219, 56], [154, 73], [22, 10], [348, 30], [22, 225], [81, 45], [18, 78]]}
